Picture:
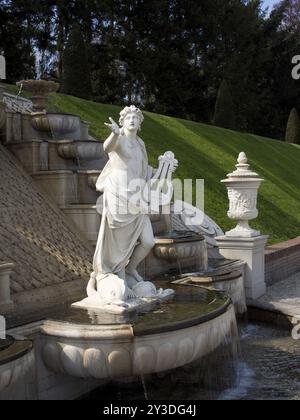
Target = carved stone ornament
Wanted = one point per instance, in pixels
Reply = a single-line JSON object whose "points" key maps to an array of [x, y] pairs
{"points": [[242, 186]]}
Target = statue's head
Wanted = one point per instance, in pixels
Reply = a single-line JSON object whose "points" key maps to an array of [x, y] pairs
{"points": [[131, 118]]}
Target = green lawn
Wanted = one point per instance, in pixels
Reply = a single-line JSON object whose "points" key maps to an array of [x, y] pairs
{"points": [[209, 152], [14, 90]]}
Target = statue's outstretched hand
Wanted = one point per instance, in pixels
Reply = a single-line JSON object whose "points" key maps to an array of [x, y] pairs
{"points": [[113, 126]]}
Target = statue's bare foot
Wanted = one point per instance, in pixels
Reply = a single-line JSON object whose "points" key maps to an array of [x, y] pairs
{"points": [[135, 275]]}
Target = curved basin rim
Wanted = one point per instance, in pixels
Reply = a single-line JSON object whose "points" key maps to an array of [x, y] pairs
{"points": [[58, 327], [16, 351], [39, 114], [160, 240], [4, 344]]}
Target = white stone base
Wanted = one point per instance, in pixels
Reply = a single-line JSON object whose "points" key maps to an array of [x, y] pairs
{"points": [[93, 303], [243, 233], [109, 352], [250, 250]]}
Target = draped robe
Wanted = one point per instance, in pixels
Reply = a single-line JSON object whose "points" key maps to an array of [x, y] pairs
{"points": [[120, 227]]}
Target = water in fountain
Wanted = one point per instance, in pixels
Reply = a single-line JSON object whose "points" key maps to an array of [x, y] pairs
{"points": [[75, 186], [179, 266], [4, 344], [262, 365], [144, 387], [204, 379]]}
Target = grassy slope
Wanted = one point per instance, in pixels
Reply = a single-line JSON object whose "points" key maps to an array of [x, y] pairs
{"points": [[209, 152], [14, 90]]}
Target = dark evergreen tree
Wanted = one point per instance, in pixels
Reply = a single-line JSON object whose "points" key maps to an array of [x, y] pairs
{"points": [[168, 56], [16, 40], [224, 109], [293, 128], [279, 91], [76, 79]]}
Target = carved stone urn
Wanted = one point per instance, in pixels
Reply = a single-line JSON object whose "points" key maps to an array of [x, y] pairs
{"points": [[40, 90], [242, 186]]}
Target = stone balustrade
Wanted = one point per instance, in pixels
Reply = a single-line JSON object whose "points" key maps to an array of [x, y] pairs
{"points": [[16, 103]]}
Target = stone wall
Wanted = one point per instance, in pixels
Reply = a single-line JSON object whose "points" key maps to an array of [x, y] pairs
{"points": [[35, 235], [282, 261]]}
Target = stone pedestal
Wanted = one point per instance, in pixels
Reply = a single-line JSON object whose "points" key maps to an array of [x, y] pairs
{"points": [[250, 250], [6, 304]]}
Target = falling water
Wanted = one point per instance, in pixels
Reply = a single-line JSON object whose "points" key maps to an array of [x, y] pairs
{"points": [[54, 134], [265, 367], [145, 387], [179, 265], [77, 156], [75, 186]]}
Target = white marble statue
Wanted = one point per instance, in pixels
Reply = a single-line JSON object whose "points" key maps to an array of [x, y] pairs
{"points": [[126, 235]]}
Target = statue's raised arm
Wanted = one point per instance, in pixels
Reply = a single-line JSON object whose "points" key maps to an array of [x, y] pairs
{"points": [[112, 141]]}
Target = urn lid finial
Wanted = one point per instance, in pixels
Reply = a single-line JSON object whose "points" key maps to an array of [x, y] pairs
{"points": [[242, 159], [243, 170]]}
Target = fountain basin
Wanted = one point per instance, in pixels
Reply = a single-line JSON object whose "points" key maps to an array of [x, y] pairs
{"points": [[16, 360], [56, 124], [224, 275], [176, 252], [40, 89], [179, 245], [93, 177], [82, 150], [89, 344]]}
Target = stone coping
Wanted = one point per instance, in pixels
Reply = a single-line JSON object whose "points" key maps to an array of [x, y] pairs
{"points": [[178, 237], [76, 207], [54, 172], [282, 249], [220, 270], [282, 260], [72, 141], [192, 305], [41, 113], [89, 171], [15, 351]]}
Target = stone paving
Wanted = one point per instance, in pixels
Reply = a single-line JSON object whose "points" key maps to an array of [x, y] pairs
{"points": [[282, 297]]}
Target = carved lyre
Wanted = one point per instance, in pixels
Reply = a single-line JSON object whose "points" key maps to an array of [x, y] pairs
{"points": [[161, 187]]}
